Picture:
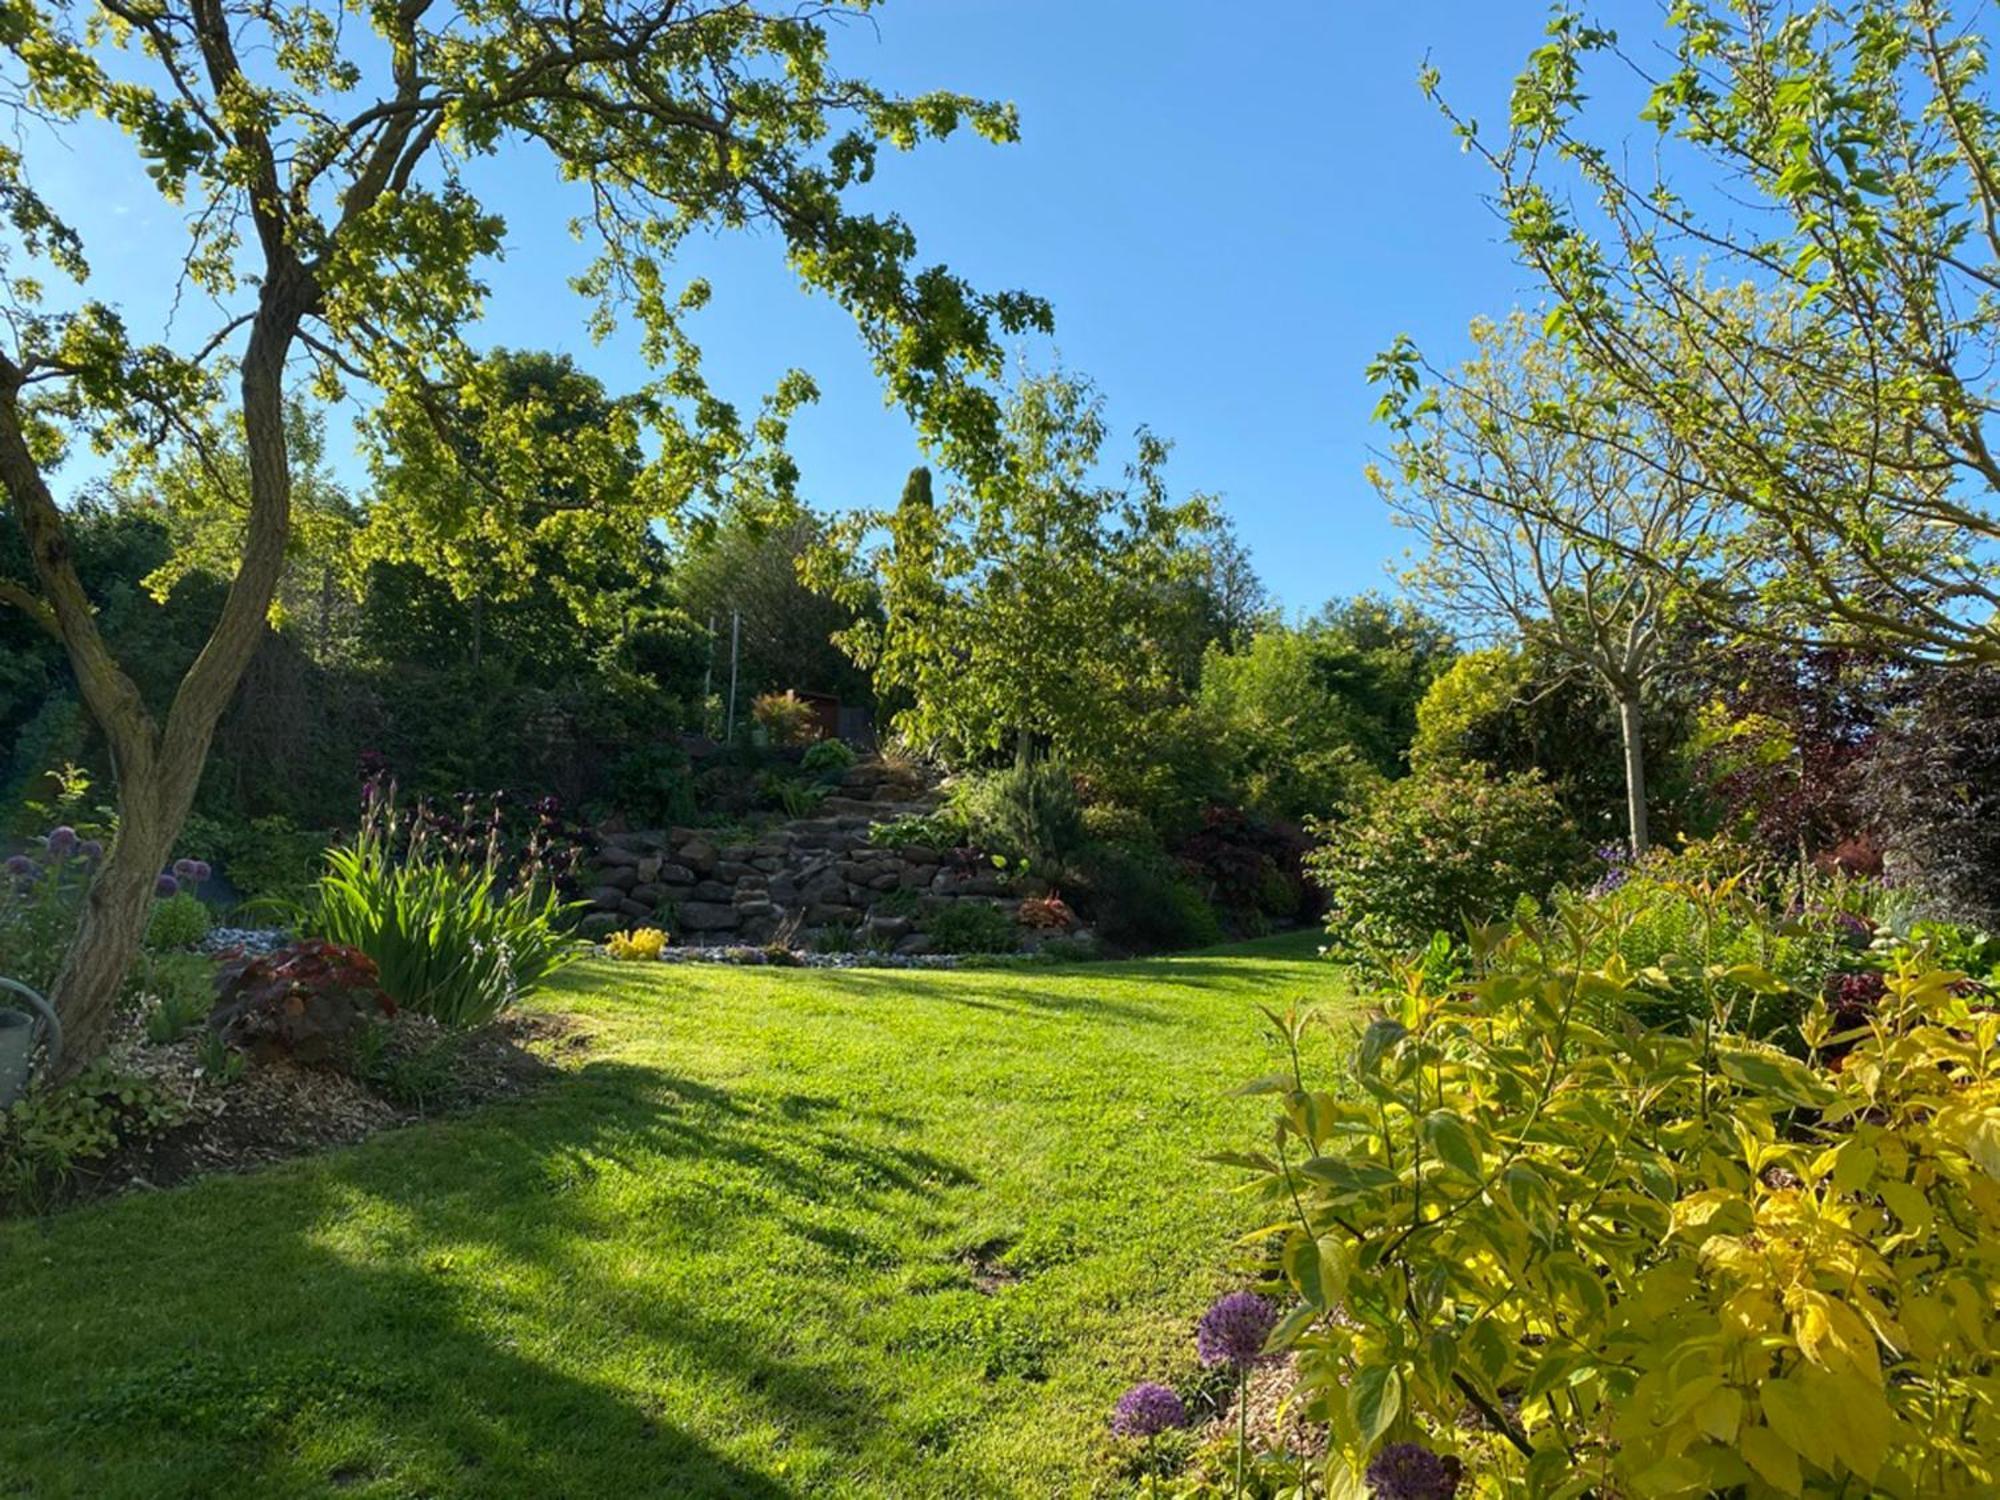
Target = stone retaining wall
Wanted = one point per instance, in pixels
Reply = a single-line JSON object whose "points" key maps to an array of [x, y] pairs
{"points": [[795, 880]]}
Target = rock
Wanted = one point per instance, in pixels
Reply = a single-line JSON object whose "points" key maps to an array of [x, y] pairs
{"points": [[888, 927], [733, 870], [698, 855], [713, 890], [676, 875], [637, 911], [832, 914], [651, 895], [607, 898], [598, 924], [707, 916], [649, 869], [768, 864], [827, 887], [620, 877], [611, 854], [915, 943], [754, 906], [888, 880]]}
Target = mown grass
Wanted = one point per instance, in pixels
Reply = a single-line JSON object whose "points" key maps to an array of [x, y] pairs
{"points": [[779, 1233]]}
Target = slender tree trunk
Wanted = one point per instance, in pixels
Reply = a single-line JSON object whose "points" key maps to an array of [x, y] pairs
{"points": [[157, 764], [116, 909], [1630, 729]]}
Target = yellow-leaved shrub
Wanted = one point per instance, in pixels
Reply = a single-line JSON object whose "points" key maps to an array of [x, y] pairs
{"points": [[640, 943], [1591, 1257]]}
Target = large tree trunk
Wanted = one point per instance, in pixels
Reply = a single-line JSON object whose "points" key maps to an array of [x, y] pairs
{"points": [[1630, 730]]}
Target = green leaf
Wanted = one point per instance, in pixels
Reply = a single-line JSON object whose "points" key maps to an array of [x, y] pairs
{"points": [[1446, 1134], [1375, 1397], [1773, 1459], [1775, 1074]]}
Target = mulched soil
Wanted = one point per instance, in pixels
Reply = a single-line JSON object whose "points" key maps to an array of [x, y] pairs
{"points": [[275, 1111], [1275, 1424]]}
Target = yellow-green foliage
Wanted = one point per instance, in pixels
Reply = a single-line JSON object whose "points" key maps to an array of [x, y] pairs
{"points": [[640, 944], [1657, 1263], [1476, 686]]}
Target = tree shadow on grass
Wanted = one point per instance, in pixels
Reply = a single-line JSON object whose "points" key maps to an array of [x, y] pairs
{"points": [[490, 1307]]}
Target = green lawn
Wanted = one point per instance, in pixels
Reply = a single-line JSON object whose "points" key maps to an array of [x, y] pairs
{"points": [[780, 1233]]}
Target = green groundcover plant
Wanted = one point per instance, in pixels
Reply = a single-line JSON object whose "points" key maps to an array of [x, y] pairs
{"points": [[1613, 1259]]}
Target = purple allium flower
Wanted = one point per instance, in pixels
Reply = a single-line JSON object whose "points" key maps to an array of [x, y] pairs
{"points": [[1858, 931], [1617, 862], [1147, 1410], [184, 871], [1232, 1332], [166, 886], [22, 866], [201, 871], [1410, 1471], [62, 839], [91, 849]]}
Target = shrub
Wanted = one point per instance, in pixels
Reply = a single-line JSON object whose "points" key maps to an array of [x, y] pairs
{"points": [[642, 944], [451, 938], [1142, 901], [1108, 823], [1688, 936], [1249, 865], [786, 717], [271, 859], [1046, 914], [1651, 1262], [1031, 812], [1436, 851], [307, 1002], [973, 927], [179, 921], [653, 786], [827, 758]]}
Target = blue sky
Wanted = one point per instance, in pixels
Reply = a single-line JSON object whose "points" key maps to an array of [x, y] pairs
{"points": [[1232, 209]]}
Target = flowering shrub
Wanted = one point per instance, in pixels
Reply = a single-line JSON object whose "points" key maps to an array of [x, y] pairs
{"points": [[1650, 1261], [786, 717], [640, 944], [307, 1002]]}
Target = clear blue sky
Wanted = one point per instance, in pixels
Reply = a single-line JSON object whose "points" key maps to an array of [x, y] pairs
{"points": [[1232, 207]]}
